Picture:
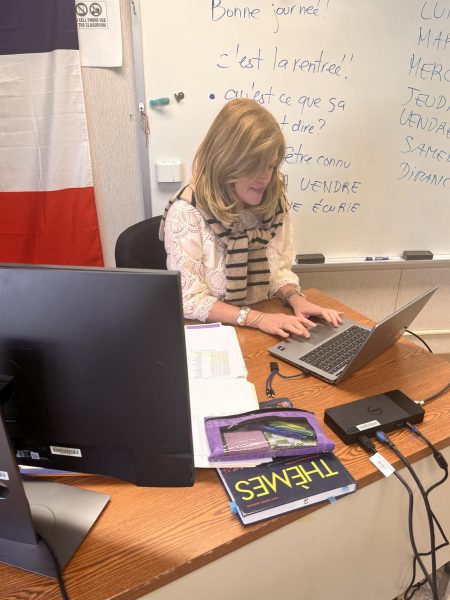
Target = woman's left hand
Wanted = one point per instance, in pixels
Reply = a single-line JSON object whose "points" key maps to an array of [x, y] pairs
{"points": [[308, 309]]}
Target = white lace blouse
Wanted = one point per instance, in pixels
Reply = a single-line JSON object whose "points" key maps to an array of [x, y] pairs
{"points": [[194, 250]]}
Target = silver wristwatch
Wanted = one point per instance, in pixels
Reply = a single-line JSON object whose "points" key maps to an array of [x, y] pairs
{"points": [[242, 315]]}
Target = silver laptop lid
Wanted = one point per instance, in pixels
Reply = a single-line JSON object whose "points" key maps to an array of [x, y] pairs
{"points": [[382, 336], [387, 332]]}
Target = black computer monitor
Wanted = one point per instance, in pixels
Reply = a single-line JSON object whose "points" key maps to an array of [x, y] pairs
{"points": [[99, 370]]}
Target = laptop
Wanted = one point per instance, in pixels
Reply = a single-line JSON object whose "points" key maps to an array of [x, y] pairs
{"points": [[332, 354]]}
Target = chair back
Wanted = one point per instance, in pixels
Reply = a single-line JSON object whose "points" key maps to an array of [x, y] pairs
{"points": [[139, 246]]}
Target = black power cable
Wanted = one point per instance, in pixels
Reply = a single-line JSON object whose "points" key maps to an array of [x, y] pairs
{"points": [[59, 575], [367, 445], [436, 395], [420, 340], [382, 437], [442, 463]]}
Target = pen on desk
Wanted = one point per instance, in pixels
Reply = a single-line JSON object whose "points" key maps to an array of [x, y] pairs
{"points": [[377, 257]]}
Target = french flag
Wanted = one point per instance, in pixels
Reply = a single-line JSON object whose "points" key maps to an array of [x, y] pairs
{"points": [[47, 204]]}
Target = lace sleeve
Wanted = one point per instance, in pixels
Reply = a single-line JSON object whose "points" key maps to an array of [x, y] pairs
{"points": [[282, 257], [184, 240]]}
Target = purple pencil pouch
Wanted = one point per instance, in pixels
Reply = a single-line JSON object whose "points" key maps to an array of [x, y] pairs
{"points": [[265, 433]]}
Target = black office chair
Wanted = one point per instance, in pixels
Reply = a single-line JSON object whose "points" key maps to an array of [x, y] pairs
{"points": [[139, 247]]}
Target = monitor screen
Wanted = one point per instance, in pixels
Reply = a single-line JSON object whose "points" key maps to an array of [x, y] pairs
{"points": [[100, 374]]}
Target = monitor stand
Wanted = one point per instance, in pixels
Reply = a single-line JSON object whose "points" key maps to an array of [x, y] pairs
{"points": [[33, 509]]}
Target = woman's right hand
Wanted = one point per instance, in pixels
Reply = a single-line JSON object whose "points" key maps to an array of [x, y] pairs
{"points": [[282, 325]]}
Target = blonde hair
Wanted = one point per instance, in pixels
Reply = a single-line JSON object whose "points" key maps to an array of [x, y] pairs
{"points": [[241, 142]]}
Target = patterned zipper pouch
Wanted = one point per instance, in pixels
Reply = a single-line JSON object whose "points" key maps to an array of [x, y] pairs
{"points": [[265, 434]]}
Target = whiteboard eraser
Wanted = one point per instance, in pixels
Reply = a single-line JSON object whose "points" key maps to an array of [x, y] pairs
{"points": [[417, 255], [306, 259]]}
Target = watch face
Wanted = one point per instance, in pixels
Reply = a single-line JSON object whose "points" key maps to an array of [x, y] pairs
{"points": [[242, 315]]}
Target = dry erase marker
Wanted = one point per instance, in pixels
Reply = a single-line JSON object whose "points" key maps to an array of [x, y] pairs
{"points": [[377, 257]]}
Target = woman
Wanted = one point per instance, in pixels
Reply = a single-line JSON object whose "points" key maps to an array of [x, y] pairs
{"points": [[229, 232]]}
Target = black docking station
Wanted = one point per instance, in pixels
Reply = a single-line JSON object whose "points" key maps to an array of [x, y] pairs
{"points": [[384, 412]]}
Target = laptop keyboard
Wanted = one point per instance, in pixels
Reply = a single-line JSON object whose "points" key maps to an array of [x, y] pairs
{"points": [[337, 352]]}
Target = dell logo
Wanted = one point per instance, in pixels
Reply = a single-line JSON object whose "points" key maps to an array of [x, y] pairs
{"points": [[374, 410], [282, 348]]}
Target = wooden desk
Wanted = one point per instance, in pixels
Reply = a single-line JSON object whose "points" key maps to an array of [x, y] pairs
{"points": [[167, 543]]}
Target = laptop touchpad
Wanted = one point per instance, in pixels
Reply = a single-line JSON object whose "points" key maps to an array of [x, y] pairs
{"points": [[321, 332]]}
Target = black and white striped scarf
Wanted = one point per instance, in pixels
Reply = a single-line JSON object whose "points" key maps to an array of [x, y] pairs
{"points": [[246, 259]]}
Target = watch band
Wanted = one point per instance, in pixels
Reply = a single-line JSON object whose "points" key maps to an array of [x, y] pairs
{"points": [[242, 315]]}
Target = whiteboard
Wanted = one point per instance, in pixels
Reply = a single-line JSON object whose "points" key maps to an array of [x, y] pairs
{"points": [[361, 91]]}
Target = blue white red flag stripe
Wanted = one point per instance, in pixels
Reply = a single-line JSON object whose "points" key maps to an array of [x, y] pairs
{"points": [[47, 203]]}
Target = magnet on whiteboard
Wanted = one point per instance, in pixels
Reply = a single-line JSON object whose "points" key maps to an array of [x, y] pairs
{"points": [[169, 171], [159, 102]]}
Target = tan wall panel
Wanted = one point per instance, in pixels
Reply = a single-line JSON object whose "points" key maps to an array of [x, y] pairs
{"points": [[436, 314], [358, 289], [377, 293], [113, 128]]}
